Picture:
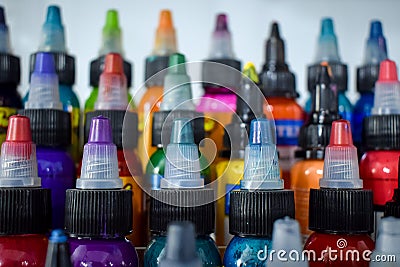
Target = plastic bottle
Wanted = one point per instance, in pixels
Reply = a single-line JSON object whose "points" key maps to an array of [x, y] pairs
{"points": [[286, 237], [53, 41], [9, 78], [328, 51], [112, 103], [341, 211], [313, 139], [259, 202], [181, 246], [279, 87], [367, 74], [220, 83], [51, 131], [392, 207], [25, 206], [249, 105], [387, 253], [111, 43], [182, 197], [58, 250], [99, 212], [177, 103], [164, 46], [378, 165]]}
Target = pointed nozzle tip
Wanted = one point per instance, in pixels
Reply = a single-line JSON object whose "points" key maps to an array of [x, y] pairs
{"points": [[324, 75], [375, 30], [112, 21], [176, 59], [100, 130], [44, 63], [58, 236], [54, 15], [250, 72], [165, 21], [114, 64], [221, 23], [275, 30], [261, 132], [181, 248], [388, 71], [19, 129], [327, 27], [182, 132], [341, 133], [2, 16]]}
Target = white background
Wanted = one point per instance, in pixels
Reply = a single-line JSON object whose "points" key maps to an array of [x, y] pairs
{"points": [[194, 20]]}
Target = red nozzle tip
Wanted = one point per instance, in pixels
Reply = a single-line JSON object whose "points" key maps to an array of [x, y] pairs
{"points": [[19, 129], [388, 71], [114, 64], [341, 133], [222, 23]]}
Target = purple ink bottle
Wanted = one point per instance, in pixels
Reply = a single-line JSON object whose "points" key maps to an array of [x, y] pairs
{"points": [[51, 131], [98, 213]]}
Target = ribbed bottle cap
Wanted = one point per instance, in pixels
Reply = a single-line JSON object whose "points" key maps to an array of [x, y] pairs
{"points": [[99, 164], [177, 90], [43, 91], [261, 169], [25, 207], [341, 160], [315, 133], [111, 35], [286, 237], [276, 78], [181, 246], [387, 90], [113, 92], [388, 236], [18, 155], [182, 169], [52, 36]]}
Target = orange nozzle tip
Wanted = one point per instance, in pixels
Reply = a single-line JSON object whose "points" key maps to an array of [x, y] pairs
{"points": [[165, 19]]}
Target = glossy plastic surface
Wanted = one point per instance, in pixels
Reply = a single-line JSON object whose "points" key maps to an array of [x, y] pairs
{"points": [[379, 170], [350, 245], [23, 250], [206, 249], [102, 252], [247, 251], [305, 175]]}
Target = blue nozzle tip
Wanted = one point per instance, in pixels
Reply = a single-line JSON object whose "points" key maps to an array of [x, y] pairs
{"points": [[327, 27], [182, 132], [44, 63], [2, 16], [376, 30], [262, 132], [54, 15], [58, 236]]}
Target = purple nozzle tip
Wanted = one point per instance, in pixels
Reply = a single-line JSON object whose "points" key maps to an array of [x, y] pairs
{"points": [[100, 130], [54, 15], [222, 23], [327, 27], [44, 63]]}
